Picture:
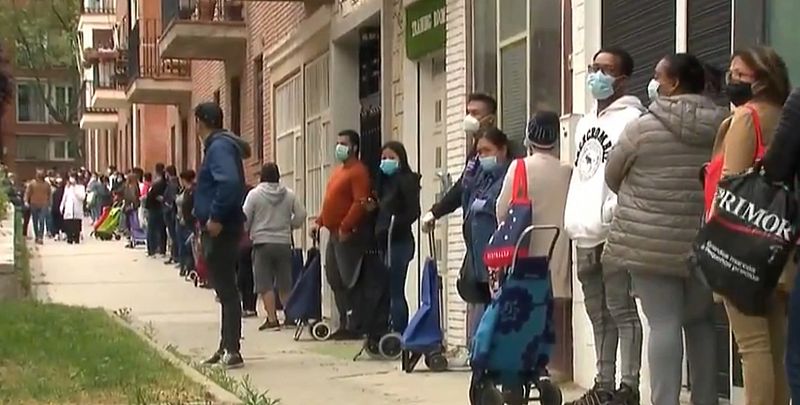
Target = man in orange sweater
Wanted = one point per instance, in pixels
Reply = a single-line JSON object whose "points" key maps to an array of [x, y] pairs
{"points": [[343, 214]]}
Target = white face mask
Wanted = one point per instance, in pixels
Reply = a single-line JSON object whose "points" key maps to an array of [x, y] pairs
{"points": [[471, 124], [652, 89]]}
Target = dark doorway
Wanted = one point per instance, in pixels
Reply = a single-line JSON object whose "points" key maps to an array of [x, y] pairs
{"points": [[173, 147], [185, 144]]}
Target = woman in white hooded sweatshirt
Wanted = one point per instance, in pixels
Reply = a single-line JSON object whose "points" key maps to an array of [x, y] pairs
{"points": [[72, 208], [273, 212]]}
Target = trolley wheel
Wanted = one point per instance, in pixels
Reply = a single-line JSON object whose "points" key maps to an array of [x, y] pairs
{"points": [[372, 347], [321, 331], [391, 346], [436, 362], [117, 237], [549, 393]]}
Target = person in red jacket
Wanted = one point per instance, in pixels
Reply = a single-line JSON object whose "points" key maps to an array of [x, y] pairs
{"points": [[343, 214]]}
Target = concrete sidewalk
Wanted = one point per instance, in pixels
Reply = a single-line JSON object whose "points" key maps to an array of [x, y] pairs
{"points": [[105, 274]]}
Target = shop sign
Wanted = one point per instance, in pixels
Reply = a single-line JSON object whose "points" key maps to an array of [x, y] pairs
{"points": [[425, 27]]}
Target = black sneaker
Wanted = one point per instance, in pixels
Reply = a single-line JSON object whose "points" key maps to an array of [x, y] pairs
{"points": [[595, 396], [214, 359], [272, 325], [231, 361], [625, 395]]}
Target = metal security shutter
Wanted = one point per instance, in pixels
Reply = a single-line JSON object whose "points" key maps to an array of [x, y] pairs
{"points": [[513, 94], [646, 29], [709, 31]]}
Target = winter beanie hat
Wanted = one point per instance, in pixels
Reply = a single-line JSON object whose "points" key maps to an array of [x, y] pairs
{"points": [[542, 130]]}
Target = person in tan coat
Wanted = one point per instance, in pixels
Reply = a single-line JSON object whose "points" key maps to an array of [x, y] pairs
{"points": [[548, 181], [758, 78], [653, 170], [37, 198]]}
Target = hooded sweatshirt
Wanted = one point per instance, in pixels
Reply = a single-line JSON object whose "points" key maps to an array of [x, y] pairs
{"points": [[220, 181], [272, 211], [654, 169], [590, 204]]}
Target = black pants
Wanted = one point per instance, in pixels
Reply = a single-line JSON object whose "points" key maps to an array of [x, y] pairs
{"points": [[245, 279], [26, 220], [218, 253], [72, 227]]}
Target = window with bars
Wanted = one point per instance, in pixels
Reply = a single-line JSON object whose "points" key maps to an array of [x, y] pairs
{"points": [[288, 126]]}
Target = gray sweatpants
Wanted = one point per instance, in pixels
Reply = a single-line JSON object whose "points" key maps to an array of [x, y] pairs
{"points": [[676, 307], [614, 317]]}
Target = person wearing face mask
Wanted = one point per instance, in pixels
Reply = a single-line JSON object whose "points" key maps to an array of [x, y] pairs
{"points": [[478, 202], [587, 216], [653, 169], [343, 214], [72, 208], [397, 191], [481, 110], [757, 85], [548, 181]]}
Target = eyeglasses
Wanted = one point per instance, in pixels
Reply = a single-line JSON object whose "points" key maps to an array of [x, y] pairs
{"points": [[735, 75]]}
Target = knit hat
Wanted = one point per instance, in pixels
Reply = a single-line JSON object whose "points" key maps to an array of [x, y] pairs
{"points": [[542, 130]]}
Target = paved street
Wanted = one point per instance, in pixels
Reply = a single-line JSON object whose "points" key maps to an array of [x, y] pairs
{"points": [[105, 274]]}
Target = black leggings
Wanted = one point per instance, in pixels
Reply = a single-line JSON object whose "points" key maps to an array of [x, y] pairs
{"points": [[72, 227], [244, 279]]}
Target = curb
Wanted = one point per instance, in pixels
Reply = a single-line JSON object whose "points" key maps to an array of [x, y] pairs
{"points": [[220, 395]]}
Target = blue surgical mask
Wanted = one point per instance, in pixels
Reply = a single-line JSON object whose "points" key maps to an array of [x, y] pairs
{"points": [[488, 162], [342, 152], [600, 85], [389, 166]]}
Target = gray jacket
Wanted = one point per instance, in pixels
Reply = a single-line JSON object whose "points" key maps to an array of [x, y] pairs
{"points": [[654, 170], [272, 212]]}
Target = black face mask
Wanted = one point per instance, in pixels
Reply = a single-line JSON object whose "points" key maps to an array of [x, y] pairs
{"points": [[739, 93]]}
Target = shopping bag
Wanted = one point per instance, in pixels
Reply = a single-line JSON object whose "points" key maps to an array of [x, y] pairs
{"points": [[743, 247], [503, 244], [712, 171]]}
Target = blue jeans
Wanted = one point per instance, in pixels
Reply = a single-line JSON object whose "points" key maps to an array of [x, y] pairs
{"points": [[39, 215], [48, 218], [402, 253], [155, 230], [793, 343]]}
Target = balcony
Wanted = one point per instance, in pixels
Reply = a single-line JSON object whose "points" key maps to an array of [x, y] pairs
{"points": [[213, 30], [151, 78], [93, 117], [97, 14], [110, 84]]}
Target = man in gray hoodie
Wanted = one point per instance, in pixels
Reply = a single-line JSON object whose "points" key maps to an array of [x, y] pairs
{"points": [[272, 211]]}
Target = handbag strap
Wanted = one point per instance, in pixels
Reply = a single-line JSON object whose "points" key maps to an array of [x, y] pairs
{"points": [[759, 152], [519, 190]]}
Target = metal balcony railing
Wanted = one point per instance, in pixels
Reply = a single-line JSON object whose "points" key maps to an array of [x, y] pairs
{"points": [[98, 6], [144, 59], [214, 10], [85, 100], [110, 76]]}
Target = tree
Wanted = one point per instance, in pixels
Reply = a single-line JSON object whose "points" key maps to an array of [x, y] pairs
{"points": [[44, 36]]}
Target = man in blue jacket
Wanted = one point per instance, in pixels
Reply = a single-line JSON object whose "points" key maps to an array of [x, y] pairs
{"points": [[218, 208]]}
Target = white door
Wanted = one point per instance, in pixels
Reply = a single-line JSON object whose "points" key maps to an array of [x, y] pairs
{"points": [[431, 158]]}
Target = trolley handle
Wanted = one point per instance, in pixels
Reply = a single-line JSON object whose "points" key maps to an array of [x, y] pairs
{"points": [[531, 229], [389, 242], [432, 245]]}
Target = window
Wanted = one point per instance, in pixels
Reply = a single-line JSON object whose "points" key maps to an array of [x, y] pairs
{"points": [[62, 149], [781, 20], [288, 126], [258, 110], [484, 51], [236, 101], [513, 49], [319, 137], [30, 106], [44, 148]]}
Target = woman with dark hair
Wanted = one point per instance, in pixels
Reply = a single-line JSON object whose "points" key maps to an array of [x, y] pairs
{"points": [[397, 190], [757, 85], [480, 220], [653, 170]]}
